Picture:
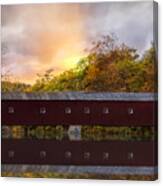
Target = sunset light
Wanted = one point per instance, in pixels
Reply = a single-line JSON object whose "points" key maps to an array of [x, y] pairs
{"points": [[71, 61], [36, 38]]}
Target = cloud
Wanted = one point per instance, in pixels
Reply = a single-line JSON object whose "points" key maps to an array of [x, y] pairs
{"points": [[38, 37]]}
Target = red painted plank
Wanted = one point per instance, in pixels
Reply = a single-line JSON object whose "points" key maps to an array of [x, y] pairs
{"points": [[28, 112], [116, 153]]}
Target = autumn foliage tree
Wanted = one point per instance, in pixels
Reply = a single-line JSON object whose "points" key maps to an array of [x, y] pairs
{"points": [[109, 66]]}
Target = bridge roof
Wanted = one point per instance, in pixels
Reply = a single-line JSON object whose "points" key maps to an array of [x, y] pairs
{"points": [[87, 96]]}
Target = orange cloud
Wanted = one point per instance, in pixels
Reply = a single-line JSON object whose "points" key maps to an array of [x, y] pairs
{"points": [[51, 35]]}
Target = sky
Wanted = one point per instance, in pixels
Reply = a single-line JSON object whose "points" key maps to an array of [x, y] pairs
{"points": [[36, 38]]}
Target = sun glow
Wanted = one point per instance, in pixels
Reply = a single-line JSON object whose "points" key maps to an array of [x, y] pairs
{"points": [[71, 62]]}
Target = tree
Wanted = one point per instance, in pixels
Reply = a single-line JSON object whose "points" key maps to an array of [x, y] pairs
{"points": [[109, 66]]}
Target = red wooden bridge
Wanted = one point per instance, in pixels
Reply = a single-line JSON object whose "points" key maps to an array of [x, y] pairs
{"points": [[77, 108]]}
